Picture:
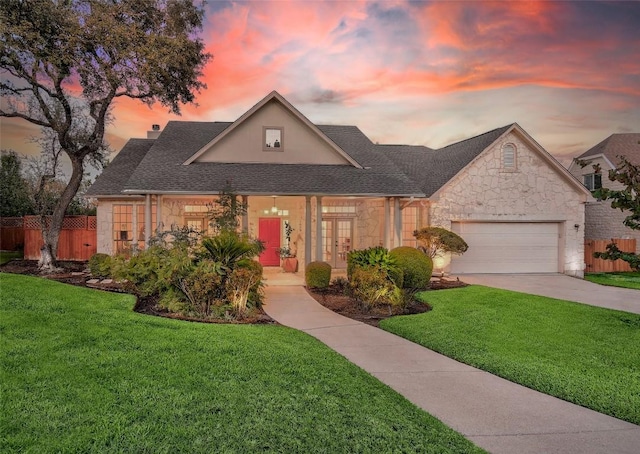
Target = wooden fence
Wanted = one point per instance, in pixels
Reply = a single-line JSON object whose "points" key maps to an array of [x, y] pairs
{"points": [[11, 234], [78, 238], [595, 265]]}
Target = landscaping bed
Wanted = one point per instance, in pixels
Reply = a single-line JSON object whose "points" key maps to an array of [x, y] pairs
{"points": [[334, 298], [76, 273]]}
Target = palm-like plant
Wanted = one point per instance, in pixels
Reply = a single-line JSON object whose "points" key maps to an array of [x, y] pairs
{"points": [[229, 248]]}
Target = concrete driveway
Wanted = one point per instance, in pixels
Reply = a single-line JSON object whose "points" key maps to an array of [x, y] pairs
{"points": [[563, 287]]}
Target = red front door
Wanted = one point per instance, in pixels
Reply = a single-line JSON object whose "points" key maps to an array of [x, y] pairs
{"points": [[269, 233]]}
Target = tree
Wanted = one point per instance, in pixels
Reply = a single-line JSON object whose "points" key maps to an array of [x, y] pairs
{"points": [[626, 200], [64, 63], [14, 190], [436, 241]]}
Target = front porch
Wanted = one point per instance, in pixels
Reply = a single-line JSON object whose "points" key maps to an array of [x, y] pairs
{"points": [[323, 228]]}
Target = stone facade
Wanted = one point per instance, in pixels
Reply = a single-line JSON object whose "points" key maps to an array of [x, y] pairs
{"points": [[601, 221], [534, 191]]}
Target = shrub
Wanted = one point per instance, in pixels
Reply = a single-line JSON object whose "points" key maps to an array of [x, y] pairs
{"points": [[436, 241], [100, 265], [256, 293], [377, 257], [318, 275], [229, 248], [202, 287], [154, 270], [416, 266], [340, 284], [371, 287], [238, 287]]}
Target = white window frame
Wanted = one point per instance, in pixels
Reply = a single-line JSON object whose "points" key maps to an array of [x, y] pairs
{"points": [[265, 130], [589, 181], [509, 157]]}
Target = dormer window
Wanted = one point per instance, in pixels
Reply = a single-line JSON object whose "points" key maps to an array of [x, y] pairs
{"points": [[593, 181], [509, 156], [272, 139]]}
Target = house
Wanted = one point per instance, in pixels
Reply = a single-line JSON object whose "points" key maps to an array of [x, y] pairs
{"points": [[516, 206], [601, 221]]}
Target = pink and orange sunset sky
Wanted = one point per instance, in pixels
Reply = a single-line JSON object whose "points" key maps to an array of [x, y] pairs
{"points": [[415, 72]]}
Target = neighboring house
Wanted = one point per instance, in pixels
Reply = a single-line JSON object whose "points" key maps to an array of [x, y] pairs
{"points": [[601, 221], [516, 206]]}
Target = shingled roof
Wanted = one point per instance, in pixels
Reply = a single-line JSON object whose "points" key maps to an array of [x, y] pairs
{"points": [[113, 178], [161, 169], [431, 169], [616, 145], [168, 164]]}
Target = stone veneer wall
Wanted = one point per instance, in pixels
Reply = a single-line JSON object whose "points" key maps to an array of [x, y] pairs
{"points": [[534, 192], [604, 223], [601, 221]]}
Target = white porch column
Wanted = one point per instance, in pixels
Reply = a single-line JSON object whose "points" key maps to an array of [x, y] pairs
{"points": [[387, 223], [159, 213], [147, 219], [245, 215], [397, 221], [318, 228], [307, 230]]}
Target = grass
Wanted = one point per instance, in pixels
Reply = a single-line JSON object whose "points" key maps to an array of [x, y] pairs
{"points": [[82, 372], [626, 280], [582, 354], [6, 256]]}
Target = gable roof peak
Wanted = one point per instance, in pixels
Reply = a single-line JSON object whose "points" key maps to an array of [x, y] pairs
{"points": [[274, 95]]}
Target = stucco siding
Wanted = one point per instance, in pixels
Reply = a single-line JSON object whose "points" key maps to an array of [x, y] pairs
{"points": [[534, 192], [300, 144]]}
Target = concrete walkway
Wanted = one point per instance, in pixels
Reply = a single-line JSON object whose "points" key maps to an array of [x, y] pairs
{"points": [[563, 287], [497, 415]]}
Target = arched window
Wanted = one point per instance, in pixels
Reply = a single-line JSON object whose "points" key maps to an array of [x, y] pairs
{"points": [[509, 156]]}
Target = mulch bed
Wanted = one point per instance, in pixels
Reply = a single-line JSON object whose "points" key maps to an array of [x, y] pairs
{"points": [[333, 298], [76, 273]]}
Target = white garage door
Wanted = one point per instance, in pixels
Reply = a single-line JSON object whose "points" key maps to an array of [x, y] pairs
{"points": [[507, 247]]}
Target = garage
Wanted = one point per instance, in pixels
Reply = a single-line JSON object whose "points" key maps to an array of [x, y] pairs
{"points": [[507, 247]]}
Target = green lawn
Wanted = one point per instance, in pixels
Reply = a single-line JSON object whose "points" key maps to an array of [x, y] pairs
{"points": [[5, 256], [627, 280], [82, 372], [583, 354]]}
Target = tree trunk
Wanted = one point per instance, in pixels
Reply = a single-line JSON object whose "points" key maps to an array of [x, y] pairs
{"points": [[51, 230]]}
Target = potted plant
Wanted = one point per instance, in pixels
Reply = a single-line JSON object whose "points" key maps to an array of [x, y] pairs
{"points": [[289, 260]]}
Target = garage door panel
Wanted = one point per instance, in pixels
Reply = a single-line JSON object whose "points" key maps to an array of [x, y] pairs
{"points": [[516, 247]]}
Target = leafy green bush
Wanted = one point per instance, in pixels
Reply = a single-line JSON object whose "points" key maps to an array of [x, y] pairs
{"points": [[202, 287], [230, 247], [374, 257], [318, 275], [436, 241], [154, 270], [416, 266], [100, 265], [371, 287]]}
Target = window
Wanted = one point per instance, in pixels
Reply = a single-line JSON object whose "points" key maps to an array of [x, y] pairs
{"points": [[122, 227], [509, 156], [196, 217], [272, 139], [409, 225], [593, 181]]}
